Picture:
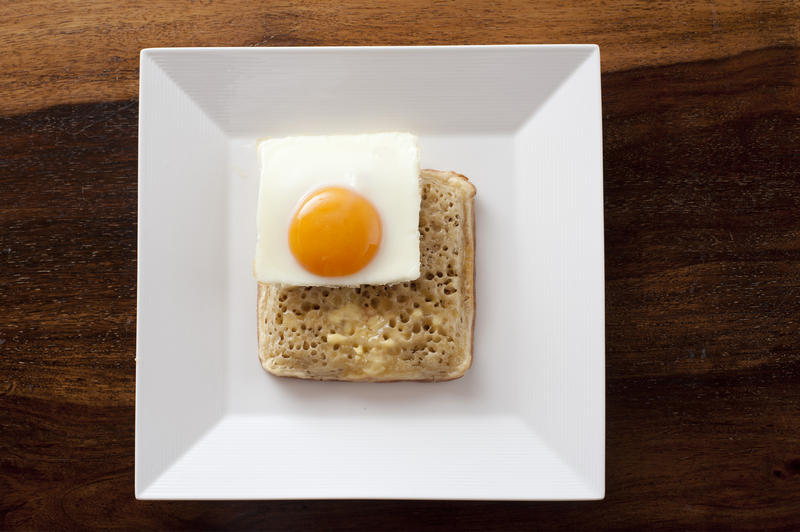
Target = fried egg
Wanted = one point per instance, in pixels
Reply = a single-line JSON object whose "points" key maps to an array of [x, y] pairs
{"points": [[338, 210]]}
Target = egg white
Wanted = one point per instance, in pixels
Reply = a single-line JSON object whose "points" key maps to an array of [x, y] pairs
{"points": [[382, 167]]}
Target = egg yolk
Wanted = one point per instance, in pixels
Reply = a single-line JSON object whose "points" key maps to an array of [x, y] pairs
{"points": [[334, 232]]}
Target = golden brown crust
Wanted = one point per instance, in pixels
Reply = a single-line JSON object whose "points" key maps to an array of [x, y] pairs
{"points": [[421, 331]]}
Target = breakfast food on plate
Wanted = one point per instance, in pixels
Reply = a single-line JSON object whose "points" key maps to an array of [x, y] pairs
{"points": [[350, 207], [411, 327]]}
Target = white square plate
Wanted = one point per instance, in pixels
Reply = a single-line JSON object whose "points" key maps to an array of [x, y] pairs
{"points": [[526, 422]]}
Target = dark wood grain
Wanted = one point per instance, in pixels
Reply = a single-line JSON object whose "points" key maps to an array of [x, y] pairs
{"points": [[702, 211], [85, 51]]}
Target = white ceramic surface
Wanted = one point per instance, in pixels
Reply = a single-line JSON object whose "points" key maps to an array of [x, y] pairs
{"points": [[527, 422]]}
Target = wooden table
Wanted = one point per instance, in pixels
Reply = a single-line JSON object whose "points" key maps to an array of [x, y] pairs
{"points": [[702, 211]]}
